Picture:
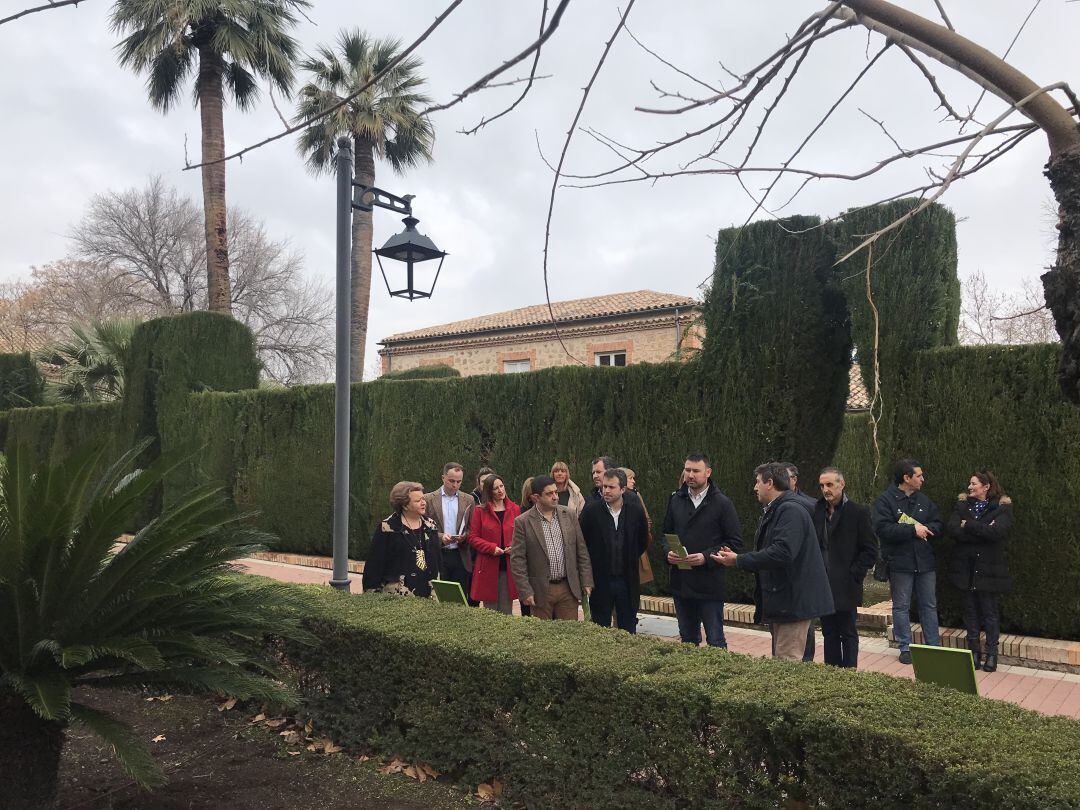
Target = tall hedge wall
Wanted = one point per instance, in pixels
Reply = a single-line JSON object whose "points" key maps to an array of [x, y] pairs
{"points": [[52, 433], [274, 447], [21, 384], [777, 346], [1000, 408]]}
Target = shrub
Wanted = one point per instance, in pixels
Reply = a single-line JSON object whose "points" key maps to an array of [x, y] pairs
{"points": [[571, 715], [21, 384], [162, 611], [434, 371], [50, 434]]}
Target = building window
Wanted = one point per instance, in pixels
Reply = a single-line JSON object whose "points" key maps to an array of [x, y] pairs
{"points": [[516, 366], [611, 358]]}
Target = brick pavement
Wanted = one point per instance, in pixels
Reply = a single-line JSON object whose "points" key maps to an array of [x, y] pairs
{"points": [[1043, 691]]}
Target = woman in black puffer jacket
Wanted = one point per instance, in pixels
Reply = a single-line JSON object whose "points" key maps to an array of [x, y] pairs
{"points": [[980, 523]]}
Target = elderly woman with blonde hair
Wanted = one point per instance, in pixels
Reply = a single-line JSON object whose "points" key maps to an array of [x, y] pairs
{"points": [[404, 553], [569, 493]]}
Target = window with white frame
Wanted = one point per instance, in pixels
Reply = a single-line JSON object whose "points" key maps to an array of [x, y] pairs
{"points": [[610, 358], [516, 366]]}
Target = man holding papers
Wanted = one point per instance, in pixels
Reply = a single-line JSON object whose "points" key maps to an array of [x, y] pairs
{"points": [[703, 519], [451, 509]]}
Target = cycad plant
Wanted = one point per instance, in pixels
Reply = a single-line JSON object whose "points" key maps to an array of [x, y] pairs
{"points": [[385, 122], [164, 611], [226, 44], [89, 364]]}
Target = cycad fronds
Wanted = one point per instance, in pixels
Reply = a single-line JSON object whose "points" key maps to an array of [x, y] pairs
{"points": [[165, 610]]}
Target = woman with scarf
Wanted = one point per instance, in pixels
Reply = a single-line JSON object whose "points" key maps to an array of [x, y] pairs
{"points": [[404, 555]]}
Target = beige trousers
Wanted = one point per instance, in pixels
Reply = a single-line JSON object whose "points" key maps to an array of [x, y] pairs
{"points": [[560, 603], [789, 639]]}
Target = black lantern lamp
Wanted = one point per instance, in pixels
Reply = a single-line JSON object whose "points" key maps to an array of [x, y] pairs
{"points": [[410, 247]]}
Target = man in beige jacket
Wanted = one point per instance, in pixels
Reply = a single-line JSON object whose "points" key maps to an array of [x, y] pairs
{"points": [[548, 557]]}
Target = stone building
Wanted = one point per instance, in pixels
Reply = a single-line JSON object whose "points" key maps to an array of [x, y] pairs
{"points": [[608, 330]]}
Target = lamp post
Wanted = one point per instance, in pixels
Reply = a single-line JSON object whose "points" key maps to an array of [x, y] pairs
{"points": [[410, 247]]}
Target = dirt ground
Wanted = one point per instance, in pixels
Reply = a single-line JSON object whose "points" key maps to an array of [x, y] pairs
{"points": [[220, 759]]}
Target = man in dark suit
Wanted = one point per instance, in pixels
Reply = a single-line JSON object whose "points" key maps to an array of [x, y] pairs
{"points": [[548, 557], [451, 510], [807, 503], [847, 538], [616, 533], [792, 587]]}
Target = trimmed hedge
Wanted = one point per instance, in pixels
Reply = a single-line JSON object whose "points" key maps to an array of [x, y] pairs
{"points": [[999, 407], [432, 372], [52, 433], [21, 383], [777, 348], [571, 715]]}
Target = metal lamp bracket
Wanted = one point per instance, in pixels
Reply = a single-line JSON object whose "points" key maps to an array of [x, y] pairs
{"points": [[365, 198]]}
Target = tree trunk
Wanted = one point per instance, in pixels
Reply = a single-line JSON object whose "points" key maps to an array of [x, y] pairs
{"points": [[211, 98], [29, 755], [364, 173], [1061, 284]]}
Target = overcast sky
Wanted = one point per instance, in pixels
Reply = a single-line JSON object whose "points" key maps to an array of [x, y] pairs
{"points": [[75, 125]]}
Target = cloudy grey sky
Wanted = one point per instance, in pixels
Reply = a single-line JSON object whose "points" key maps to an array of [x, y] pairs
{"points": [[75, 124]]}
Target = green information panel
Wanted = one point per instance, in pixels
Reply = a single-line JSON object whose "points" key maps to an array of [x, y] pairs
{"points": [[945, 667]]}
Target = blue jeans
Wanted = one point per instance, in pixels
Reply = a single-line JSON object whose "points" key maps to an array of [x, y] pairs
{"points": [[692, 613], [615, 597], [924, 584]]}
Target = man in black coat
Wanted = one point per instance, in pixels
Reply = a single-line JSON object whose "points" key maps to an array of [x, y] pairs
{"points": [[704, 519], [616, 534], [809, 504], [850, 548], [905, 520], [792, 586], [600, 465]]}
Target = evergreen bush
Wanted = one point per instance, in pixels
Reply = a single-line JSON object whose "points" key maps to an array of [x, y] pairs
{"points": [[432, 372], [567, 714], [21, 384]]}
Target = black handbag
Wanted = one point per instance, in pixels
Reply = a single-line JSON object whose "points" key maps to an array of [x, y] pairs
{"points": [[881, 569]]}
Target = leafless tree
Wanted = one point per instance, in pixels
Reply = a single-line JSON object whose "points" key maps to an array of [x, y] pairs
{"points": [[148, 253], [995, 316]]}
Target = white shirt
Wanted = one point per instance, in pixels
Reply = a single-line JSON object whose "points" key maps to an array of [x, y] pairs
{"points": [[615, 516], [697, 499], [449, 510]]}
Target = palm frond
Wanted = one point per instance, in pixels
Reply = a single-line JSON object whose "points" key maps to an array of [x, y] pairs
{"points": [[128, 749]]}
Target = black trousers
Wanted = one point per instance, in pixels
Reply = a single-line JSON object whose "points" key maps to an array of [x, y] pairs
{"points": [[452, 568], [981, 613], [617, 597], [840, 638]]}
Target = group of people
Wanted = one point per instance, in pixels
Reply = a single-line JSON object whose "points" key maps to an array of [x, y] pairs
{"points": [[561, 546]]}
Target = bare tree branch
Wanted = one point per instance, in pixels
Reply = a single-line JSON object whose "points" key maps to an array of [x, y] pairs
{"points": [[944, 16], [50, 5], [558, 169]]}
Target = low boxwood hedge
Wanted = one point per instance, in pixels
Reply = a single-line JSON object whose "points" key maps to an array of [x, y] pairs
{"points": [[570, 715]]}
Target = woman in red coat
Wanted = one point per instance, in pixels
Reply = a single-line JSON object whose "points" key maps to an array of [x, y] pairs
{"points": [[490, 534]]}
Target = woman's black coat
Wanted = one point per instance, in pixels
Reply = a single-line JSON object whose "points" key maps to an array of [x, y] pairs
{"points": [[392, 564], [979, 561]]}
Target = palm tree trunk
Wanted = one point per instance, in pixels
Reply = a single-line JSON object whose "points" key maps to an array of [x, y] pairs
{"points": [[211, 102], [29, 753], [364, 173], [1061, 284]]}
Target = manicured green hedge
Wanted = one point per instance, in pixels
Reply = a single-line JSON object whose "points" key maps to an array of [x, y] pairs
{"points": [[777, 347], [431, 372], [52, 433], [571, 715], [21, 383], [1000, 408]]}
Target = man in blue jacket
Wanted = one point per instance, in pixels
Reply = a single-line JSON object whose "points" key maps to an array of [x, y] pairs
{"points": [[904, 521], [792, 586]]}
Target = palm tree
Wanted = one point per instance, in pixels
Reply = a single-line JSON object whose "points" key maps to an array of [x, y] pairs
{"points": [[163, 612], [228, 42], [385, 121], [90, 363]]}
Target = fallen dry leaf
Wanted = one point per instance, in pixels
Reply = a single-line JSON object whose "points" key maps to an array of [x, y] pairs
{"points": [[412, 772], [228, 704], [290, 737], [258, 718], [308, 727], [363, 758], [162, 698], [434, 774], [158, 738], [275, 723], [330, 748], [486, 792], [293, 753]]}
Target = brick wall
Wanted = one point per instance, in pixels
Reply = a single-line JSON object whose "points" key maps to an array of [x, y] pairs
{"points": [[645, 340]]}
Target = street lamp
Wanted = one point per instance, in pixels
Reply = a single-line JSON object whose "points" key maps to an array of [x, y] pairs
{"points": [[410, 247]]}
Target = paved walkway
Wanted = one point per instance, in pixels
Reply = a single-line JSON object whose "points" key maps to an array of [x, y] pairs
{"points": [[1041, 690]]}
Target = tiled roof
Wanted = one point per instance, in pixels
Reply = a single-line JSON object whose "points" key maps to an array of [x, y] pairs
{"points": [[582, 309], [858, 398]]}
